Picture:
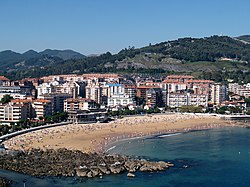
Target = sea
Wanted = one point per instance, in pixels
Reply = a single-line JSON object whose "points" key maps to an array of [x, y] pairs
{"points": [[208, 158]]}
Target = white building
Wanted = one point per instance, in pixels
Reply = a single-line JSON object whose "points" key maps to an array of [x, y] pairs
{"points": [[186, 99], [242, 90], [45, 88], [218, 93], [11, 112], [79, 104], [120, 100], [117, 96]]}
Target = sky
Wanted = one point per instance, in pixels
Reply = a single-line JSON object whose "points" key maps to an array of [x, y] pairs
{"points": [[98, 26]]}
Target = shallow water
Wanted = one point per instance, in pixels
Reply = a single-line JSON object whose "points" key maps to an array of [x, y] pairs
{"points": [[217, 157]]}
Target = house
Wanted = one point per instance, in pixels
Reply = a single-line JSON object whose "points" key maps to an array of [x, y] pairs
{"points": [[92, 116], [79, 104]]}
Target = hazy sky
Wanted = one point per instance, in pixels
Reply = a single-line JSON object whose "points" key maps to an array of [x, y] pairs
{"points": [[98, 26]]}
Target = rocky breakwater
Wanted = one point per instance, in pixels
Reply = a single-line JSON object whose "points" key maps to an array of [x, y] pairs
{"points": [[63, 162], [5, 182]]}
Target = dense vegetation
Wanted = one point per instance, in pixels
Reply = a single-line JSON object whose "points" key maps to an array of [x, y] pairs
{"points": [[217, 57]]}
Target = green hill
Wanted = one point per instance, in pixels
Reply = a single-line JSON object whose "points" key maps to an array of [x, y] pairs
{"points": [[216, 57], [245, 38], [12, 61]]}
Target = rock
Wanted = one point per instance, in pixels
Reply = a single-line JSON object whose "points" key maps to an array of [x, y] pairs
{"points": [[95, 171], [104, 169], [5, 182], [81, 173], [131, 166], [63, 162], [145, 168], [130, 175], [169, 164], [116, 169], [185, 166], [89, 174]]}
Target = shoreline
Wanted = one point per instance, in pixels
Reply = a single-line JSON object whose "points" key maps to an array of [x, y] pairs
{"points": [[193, 129], [98, 137]]}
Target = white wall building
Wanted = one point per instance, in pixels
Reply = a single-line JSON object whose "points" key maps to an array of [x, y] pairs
{"points": [[45, 88], [218, 93], [178, 99], [120, 100]]}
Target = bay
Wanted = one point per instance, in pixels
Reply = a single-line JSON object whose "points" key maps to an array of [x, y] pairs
{"points": [[215, 157]]}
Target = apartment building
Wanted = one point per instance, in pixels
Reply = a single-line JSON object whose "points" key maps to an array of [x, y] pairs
{"points": [[117, 96], [42, 108], [242, 90], [218, 93], [154, 97], [94, 92], [200, 86], [186, 99], [45, 88], [130, 90], [4, 81], [12, 112], [119, 100], [79, 104], [35, 108], [57, 100]]}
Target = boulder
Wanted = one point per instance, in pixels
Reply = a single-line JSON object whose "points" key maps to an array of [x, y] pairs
{"points": [[95, 171], [130, 175], [117, 169], [89, 174], [81, 173], [103, 169], [131, 166], [169, 164], [145, 168]]}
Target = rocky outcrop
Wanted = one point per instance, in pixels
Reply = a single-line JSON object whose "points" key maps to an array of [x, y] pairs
{"points": [[5, 182], [63, 162]]}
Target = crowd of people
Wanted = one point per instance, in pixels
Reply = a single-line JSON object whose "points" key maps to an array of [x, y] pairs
{"points": [[123, 128]]}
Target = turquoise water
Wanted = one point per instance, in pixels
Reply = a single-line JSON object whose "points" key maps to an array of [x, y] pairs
{"points": [[217, 157]]}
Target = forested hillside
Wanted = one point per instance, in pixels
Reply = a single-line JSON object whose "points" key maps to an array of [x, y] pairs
{"points": [[216, 57]]}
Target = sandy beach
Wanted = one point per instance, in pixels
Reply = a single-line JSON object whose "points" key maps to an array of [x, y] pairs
{"points": [[97, 136]]}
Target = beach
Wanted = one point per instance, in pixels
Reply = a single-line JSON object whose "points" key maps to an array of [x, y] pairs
{"points": [[97, 137]]}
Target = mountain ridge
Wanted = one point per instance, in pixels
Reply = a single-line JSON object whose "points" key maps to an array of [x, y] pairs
{"points": [[12, 61], [200, 56]]}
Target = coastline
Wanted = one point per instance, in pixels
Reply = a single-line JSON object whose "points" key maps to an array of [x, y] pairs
{"points": [[98, 137]]}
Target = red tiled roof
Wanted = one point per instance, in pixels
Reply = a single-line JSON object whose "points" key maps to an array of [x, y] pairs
{"points": [[41, 100], [200, 81], [179, 76], [147, 87], [129, 86], [29, 100], [99, 75], [78, 99], [21, 100], [3, 78]]}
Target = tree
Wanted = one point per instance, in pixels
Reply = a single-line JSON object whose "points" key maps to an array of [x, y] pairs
{"points": [[6, 99], [40, 118]]}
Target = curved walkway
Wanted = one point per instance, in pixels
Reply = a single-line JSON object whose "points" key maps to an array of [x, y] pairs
{"points": [[8, 136]]}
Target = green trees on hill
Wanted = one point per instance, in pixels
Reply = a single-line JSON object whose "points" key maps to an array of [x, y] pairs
{"points": [[210, 49]]}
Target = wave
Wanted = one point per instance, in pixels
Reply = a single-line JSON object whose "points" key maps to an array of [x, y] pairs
{"points": [[109, 149], [167, 135]]}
